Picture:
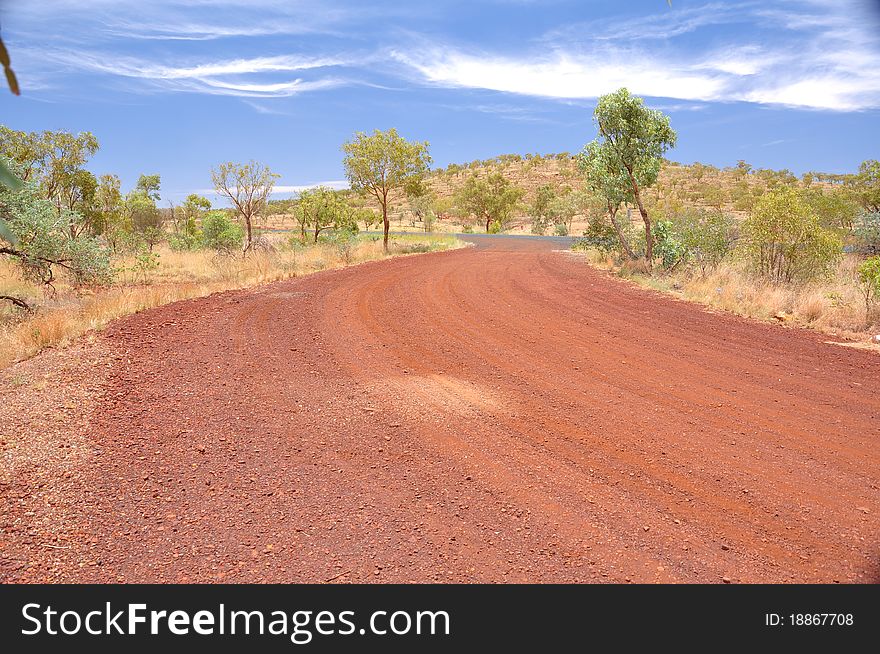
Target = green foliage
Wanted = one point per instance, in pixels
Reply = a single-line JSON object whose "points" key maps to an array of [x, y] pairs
{"points": [[836, 209], [149, 185], [45, 241], [187, 235], [221, 233], [560, 229], [145, 262], [694, 237], [866, 232], [627, 155], [344, 240], [785, 241], [322, 208], [378, 163], [599, 235], [108, 199], [141, 211], [248, 187], [868, 184], [491, 199], [539, 210], [868, 281]]}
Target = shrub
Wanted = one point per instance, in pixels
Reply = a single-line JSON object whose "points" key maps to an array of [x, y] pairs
{"points": [[695, 236], [785, 241], [866, 232], [185, 242], [221, 233], [868, 281], [44, 243], [599, 235], [344, 241], [560, 229]]}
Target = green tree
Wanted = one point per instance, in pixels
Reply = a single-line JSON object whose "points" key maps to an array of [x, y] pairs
{"points": [[108, 196], [143, 216], [248, 187], [323, 209], [634, 139], [837, 209], [491, 199], [785, 240], [695, 236], [607, 181], [382, 162], [540, 208], [190, 212], [868, 184], [42, 242], [866, 232], [221, 233], [868, 281], [187, 235], [150, 185], [27, 150], [65, 158]]}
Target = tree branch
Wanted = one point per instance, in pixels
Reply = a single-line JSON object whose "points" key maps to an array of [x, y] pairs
{"points": [[17, 302]]}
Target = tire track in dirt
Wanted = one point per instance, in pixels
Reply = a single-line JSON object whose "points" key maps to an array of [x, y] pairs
{"points": [[500, 413]]}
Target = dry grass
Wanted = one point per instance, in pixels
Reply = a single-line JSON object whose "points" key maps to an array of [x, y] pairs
{"points": [[832, 306], [181, 275]]}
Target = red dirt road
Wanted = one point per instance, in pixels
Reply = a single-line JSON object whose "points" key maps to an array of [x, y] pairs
{"points": [[500, 413]]}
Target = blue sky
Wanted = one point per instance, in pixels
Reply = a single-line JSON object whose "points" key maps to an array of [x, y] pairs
{"points": [[175, 87]]}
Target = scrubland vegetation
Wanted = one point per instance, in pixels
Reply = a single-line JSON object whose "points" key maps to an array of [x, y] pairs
{"points": [[804, 252], [77, 252]]}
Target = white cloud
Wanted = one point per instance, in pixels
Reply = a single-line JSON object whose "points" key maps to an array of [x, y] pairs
{"points": [[235, 77], [561, 76], [814, 56]]}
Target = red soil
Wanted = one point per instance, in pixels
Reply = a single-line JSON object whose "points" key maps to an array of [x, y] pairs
{"points": [[500, 413]]}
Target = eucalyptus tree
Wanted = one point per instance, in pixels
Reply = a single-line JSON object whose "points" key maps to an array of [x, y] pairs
{"points": [[632, 141], [382, 162], [491, 199], [247, 186]]}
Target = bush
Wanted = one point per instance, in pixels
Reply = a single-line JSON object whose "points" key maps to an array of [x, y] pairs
{"points": [[44, 241], [185, 242], [866, 232], [868, 281], [560, 229], [785, 241], [221, 233], [344, 241], [694, 236]]}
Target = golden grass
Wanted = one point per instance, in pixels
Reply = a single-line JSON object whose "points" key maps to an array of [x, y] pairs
{"points": [[69, 314], [832, 306]]}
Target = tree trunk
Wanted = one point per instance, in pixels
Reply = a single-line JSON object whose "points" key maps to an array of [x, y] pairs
{"points": [[488, 222], [250, 237], [649, 237], [385, 224], [612, 214]]}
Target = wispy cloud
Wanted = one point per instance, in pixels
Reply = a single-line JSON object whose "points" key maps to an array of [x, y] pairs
{"points": [[235, 77], [802, 54], [799, 53]]}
